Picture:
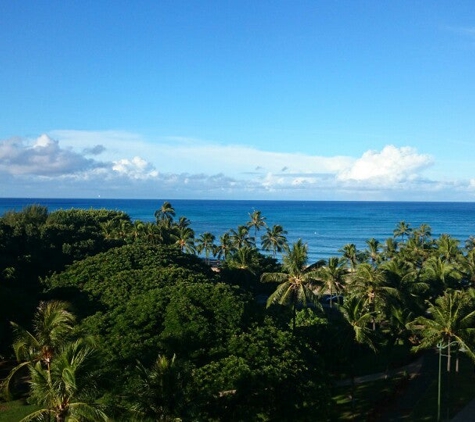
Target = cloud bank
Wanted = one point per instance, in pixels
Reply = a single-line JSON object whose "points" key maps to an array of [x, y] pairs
{"points": [[120, 164]]}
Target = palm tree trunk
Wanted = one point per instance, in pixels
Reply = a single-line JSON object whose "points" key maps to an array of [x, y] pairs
{"points": [[294, 312]]}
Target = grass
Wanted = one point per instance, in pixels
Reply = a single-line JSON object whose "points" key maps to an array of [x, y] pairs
{"points": [[371, 399], [457, 390], [15, 410], [367, 401]]}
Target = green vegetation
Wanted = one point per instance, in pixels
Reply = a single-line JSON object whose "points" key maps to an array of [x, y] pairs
{"points": [[102, 317]]}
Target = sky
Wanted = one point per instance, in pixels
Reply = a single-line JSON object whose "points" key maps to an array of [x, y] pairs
{"points": [[291, 100]]}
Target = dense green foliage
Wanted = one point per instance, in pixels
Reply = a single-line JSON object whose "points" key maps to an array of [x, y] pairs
{"points": [[159, 329]]}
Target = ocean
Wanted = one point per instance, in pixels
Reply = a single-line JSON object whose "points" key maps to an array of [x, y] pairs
{"points": [[326, 226]]}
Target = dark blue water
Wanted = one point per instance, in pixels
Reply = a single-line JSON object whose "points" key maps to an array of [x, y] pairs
{"points": [[326, 226]]}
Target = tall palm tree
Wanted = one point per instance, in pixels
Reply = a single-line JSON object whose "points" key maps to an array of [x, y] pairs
{"points": [[333, 276], [66, 390], [185, 238], [152, 233], [371, 284], [296, 284], [137, 230], [451, 320], [466, 267], [160, 392], [355, 313], [402, 230], [409, 287], [390, 248], [206, 243], [373, 250], [423, 232], [440, 275], [52, 325], [350, 254], [274, 239], [240, 238], [225, 247], [165, 214], [448, 248], [183, 222], [257, 221]]}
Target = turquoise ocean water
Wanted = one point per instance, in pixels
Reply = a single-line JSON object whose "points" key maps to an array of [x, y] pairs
{"points": [[326, 226]]}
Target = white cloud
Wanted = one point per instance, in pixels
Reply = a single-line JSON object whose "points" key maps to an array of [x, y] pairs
{"points": [[136, 168], [391, 165], [125, 165], [42, 156]]}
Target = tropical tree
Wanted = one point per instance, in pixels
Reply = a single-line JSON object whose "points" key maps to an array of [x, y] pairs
{"points": [[257, 221], [440, 275], [183, 222], [224, 247], [185, 238], [373, 250], [159, 393], [450, 322], [357, 316], [448, 248], [296, 284], [423, 232], [402, 230], [333, 276], [371, 284], [274, 239], [66, 390], [409, 286], [466, 267], [206, 243], [350, 254], [137, 230], [165, 214], [390, 248], [240, 238], [52, 326]]}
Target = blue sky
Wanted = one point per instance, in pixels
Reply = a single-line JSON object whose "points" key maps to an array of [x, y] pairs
{"points": [[319, 100]]}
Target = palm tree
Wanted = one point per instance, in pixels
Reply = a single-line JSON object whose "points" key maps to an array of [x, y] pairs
{"points": [[466, 267], [206, 243], [350, 254], [390, 248], [152, 233], [240, 238], [448, 248], [373, 250], [165, 214], [295, 283], [451, 320], [274, 239], [257, 221], [440, 274], [183, 222], [160, 393], [355, 313], [66, 390], [185, 239], [332, 276], [225, 247], [244, 259], [409, 287], [52, 325], [137, 230], [402, 230], [371, 284]]}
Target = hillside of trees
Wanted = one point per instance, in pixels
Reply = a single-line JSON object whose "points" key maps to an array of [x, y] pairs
{"points": [[104, 318]]}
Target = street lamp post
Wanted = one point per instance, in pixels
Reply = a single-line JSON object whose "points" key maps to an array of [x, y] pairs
{"points": [[440, 347]]}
